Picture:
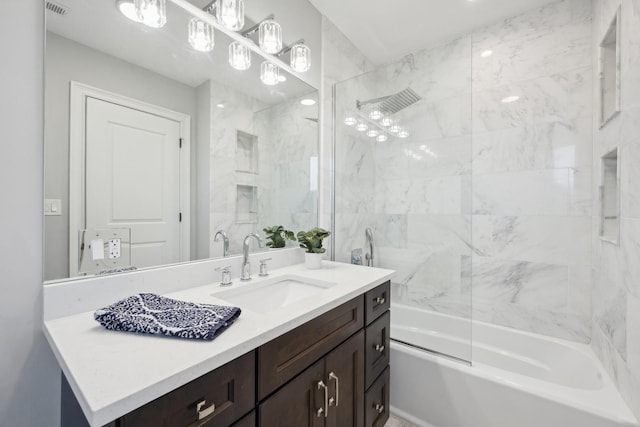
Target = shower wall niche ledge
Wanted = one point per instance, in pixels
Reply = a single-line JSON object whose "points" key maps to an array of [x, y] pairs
{"points": [[246, 152]]}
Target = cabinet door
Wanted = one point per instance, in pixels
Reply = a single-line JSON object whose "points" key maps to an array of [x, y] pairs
{"points": [[299, 403], [344, 369]]}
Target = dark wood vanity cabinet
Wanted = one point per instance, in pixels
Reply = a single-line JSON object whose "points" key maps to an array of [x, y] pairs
{"points": [[329, 372]]}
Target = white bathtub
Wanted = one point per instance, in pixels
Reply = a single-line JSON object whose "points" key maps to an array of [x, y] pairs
{"points": [[517, 379]]}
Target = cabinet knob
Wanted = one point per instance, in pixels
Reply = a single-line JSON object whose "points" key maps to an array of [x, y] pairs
{"points": [[379, 348], [379, 408], [380, 300], [204, 412]]}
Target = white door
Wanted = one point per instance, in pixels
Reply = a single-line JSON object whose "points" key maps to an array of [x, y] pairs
{"points": [[133, 179]]}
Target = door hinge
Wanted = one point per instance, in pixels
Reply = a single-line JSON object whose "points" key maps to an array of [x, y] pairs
{"points": [[180, 142], [180, 217]]}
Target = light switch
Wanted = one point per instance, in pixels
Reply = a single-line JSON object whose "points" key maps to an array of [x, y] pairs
{"points": [[52, 207], [97, 249]]}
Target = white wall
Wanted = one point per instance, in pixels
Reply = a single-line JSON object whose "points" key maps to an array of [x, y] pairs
{"points": [[29, 389]]}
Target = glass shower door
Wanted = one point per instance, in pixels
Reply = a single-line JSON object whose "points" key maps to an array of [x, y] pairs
{"points": [[402, 168]]}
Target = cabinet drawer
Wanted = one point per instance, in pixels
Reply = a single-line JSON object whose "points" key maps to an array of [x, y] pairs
{"points": [[376, 406], [286, 356], [377, 301], [231, 388], [377, 348]]}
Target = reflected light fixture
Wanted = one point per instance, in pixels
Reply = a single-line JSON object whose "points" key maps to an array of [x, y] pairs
{"points": [[152, 13], [349, 120], [128, 9], [239, 56], [230, 14], [372, 133], [270, 36], [300, 58], [308, 102], [403, 133], [382, 137], [282, 78], [386, 120], [361, 126], [269, 73], [375, 114], [395, 127], [201, 35]]}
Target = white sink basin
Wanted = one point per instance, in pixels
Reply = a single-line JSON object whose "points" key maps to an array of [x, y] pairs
{"points": [[267, 295]]}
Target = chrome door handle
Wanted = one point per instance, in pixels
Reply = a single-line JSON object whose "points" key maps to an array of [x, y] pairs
{"points": [[325, 410], [379, 348], [334, 377], [203, 413]]}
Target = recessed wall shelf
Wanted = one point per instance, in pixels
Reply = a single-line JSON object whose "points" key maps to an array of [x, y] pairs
{"points": [[610, 71], [610, 198], [246, 204], [246, 152]]}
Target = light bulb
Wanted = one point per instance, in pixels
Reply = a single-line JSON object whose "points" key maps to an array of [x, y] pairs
{"points": [[270, 36], [230, 14], [349, 120], [269, 73], [361, 126], [239, 56], [375, 114], [201, 35], [152, 13], [382, 137], [300, 58]]}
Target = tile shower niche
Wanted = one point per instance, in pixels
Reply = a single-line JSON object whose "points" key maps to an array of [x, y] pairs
{"points": [[609, 198], [246, 204], [610, 71], [246, 152]]}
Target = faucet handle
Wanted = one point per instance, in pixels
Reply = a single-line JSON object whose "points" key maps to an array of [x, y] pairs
{"points": [[263, 267], [226, 275]]}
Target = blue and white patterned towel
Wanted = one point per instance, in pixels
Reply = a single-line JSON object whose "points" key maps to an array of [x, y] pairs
{"points": [[153, 314]]}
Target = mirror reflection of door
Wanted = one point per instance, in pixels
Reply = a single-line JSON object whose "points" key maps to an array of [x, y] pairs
{"points": [[133, 179]]}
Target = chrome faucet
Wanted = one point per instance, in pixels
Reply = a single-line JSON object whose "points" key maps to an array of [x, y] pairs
{"points": [[246, 266], [225, 242], [369, 235]]}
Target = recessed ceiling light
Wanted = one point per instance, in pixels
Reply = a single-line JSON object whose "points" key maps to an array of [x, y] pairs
{"points": [[509, 99], [308, 102], [487, 53], [220, 105], [128, 9]]}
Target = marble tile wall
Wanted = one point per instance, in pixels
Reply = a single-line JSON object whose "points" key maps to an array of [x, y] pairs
{"points": [[616, 271], [485, 199]]}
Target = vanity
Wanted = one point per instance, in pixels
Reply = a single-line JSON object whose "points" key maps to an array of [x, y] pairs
{"points": [[321, 360]]}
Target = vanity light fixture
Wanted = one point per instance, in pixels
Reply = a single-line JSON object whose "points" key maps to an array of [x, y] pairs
{"points": [[350, 120], [270, 36], [269, 73], [386, 121], [361, 126], [372, 133], [382, 137], [201, 35], [395, 127], [128, 9], [308, 102], [230, 14], [152, 13], [239, 56], [375, 114], [403, 133], [300, 58]]}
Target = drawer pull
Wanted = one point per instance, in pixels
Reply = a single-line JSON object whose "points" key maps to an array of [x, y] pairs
{"points": [[380, 300], [379, 408], [203, 413], [379, 348], [334, 377], [324, 411]]}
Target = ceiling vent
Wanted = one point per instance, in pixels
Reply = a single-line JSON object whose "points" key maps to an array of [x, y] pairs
{"points": [[57, 8]]}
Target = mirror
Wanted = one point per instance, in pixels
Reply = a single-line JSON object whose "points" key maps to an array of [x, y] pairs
{"points": [[152, 147]]}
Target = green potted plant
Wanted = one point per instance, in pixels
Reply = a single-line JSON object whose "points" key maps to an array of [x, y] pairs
{"points": [[277, 236], [311, 241]]}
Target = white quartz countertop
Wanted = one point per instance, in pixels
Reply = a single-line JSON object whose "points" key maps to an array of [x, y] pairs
{"points": [[113, 373]]}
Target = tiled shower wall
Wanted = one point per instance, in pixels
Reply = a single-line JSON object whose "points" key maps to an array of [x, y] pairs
{"points": [[616, 267], [498, 190]]}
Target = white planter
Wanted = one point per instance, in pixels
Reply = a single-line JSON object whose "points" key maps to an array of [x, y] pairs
{"points": [[312, 261]]}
